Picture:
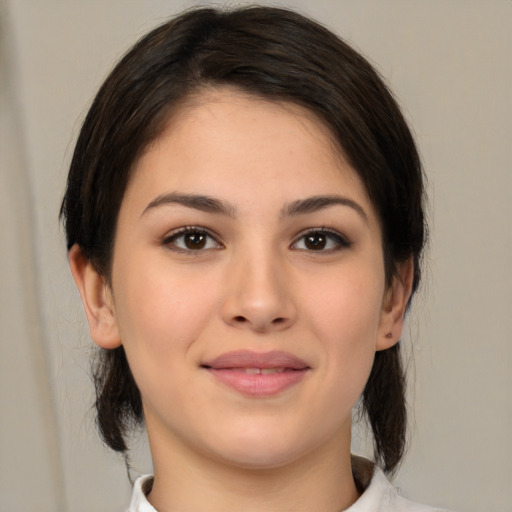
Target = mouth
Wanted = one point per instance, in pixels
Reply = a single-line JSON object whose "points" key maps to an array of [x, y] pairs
{"points": [[257, 374], [260, 371]]}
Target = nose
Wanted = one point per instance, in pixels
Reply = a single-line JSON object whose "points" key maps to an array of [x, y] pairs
{"points": [[259, 294]]}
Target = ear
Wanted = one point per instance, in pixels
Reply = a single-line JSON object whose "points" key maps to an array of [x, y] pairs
{"points": [[394, 305], [96, 298]]}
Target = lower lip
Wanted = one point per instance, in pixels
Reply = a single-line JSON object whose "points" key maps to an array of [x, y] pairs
{"points": [[258, 385]]}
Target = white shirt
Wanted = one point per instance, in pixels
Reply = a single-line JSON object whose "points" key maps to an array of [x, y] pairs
{"points": [[379, 496]]}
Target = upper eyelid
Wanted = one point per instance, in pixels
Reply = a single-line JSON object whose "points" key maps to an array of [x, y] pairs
{"points": [[175, 233], [340, 240], [188, 229], [327, 231]]}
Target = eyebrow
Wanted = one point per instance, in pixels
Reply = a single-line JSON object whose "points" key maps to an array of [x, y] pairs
{"points": [[316, 203], [196, 201], [213, 205]]}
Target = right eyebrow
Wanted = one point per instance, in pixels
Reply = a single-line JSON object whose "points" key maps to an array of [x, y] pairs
{"points": [[196, 201]]}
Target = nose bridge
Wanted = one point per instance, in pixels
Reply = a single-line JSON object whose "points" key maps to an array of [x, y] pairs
{"points": [[258, 292]]}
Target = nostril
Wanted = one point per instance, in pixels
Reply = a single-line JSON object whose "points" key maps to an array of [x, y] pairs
{"points": [[258, 323]]}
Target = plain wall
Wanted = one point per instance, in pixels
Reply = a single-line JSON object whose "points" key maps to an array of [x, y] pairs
{"points": [[449, 63]]}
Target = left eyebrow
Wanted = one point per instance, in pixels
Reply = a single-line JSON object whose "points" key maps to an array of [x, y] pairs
{"points": [[316, 203]]}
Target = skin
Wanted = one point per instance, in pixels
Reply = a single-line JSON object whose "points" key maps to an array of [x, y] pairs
{"points": [[255, 285]]}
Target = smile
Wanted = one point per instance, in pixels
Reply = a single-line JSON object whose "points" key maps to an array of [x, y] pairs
{"points": [[261, 371], [257, 374]]}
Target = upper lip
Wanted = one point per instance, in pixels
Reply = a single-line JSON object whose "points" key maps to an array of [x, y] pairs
{"points": [[249, 359]]}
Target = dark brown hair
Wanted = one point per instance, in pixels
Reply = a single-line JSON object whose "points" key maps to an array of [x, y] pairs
{"points": [[274, 54]]}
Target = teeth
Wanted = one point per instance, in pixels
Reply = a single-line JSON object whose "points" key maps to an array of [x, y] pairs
{"points": [[263, 371]]}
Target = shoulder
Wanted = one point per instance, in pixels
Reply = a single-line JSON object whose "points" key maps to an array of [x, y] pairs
{"points": [[139, 502], [380, 495]]}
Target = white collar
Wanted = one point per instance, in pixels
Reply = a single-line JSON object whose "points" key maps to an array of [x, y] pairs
{"points": [[378, 495]]}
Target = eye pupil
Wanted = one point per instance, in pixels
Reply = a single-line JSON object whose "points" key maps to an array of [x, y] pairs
{"points": [[195, 240], [315, 241]]}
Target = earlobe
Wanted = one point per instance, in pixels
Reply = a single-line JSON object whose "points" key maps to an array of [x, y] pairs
{"points": [[394, 306], [96, 298]]}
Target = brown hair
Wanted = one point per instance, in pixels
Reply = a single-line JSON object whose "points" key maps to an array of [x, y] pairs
{"points": [[275, 54]]}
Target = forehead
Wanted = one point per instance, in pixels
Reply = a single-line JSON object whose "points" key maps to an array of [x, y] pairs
{"points": [[215, 105], [223, 138]]}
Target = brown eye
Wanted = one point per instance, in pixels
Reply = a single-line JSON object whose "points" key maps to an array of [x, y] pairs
{"points": [[194, 241], [191, 240], [321, 240], [315, 241]]}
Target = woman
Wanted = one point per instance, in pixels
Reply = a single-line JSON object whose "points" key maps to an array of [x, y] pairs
{"points": [[245, 224]]}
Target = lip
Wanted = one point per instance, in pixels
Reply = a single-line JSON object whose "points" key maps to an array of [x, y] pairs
{"points": [[257, 374]]}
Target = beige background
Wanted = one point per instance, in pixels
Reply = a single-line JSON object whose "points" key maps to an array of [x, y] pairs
{"points": [[449, 63]]}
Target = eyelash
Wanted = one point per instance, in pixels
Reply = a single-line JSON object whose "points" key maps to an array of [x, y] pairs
{"points": [[170, 240], [339, 241]]}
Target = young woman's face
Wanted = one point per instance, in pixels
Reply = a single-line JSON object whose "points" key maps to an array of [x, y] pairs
{"points": [[248, 284]]}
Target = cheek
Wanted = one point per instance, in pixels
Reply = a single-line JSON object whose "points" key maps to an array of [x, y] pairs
{"points": [[344, 314], [346, 306], [160, 319], [161, 316]]}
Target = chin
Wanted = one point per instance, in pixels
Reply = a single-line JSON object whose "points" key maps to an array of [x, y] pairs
{"points": [[261, 459], [264, 450]]}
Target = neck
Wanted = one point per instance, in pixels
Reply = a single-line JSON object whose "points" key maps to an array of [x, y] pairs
{"points": [[187, 481]]}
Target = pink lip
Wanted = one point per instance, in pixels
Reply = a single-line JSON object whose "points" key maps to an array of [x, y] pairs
{"points": [[230, 369]]}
